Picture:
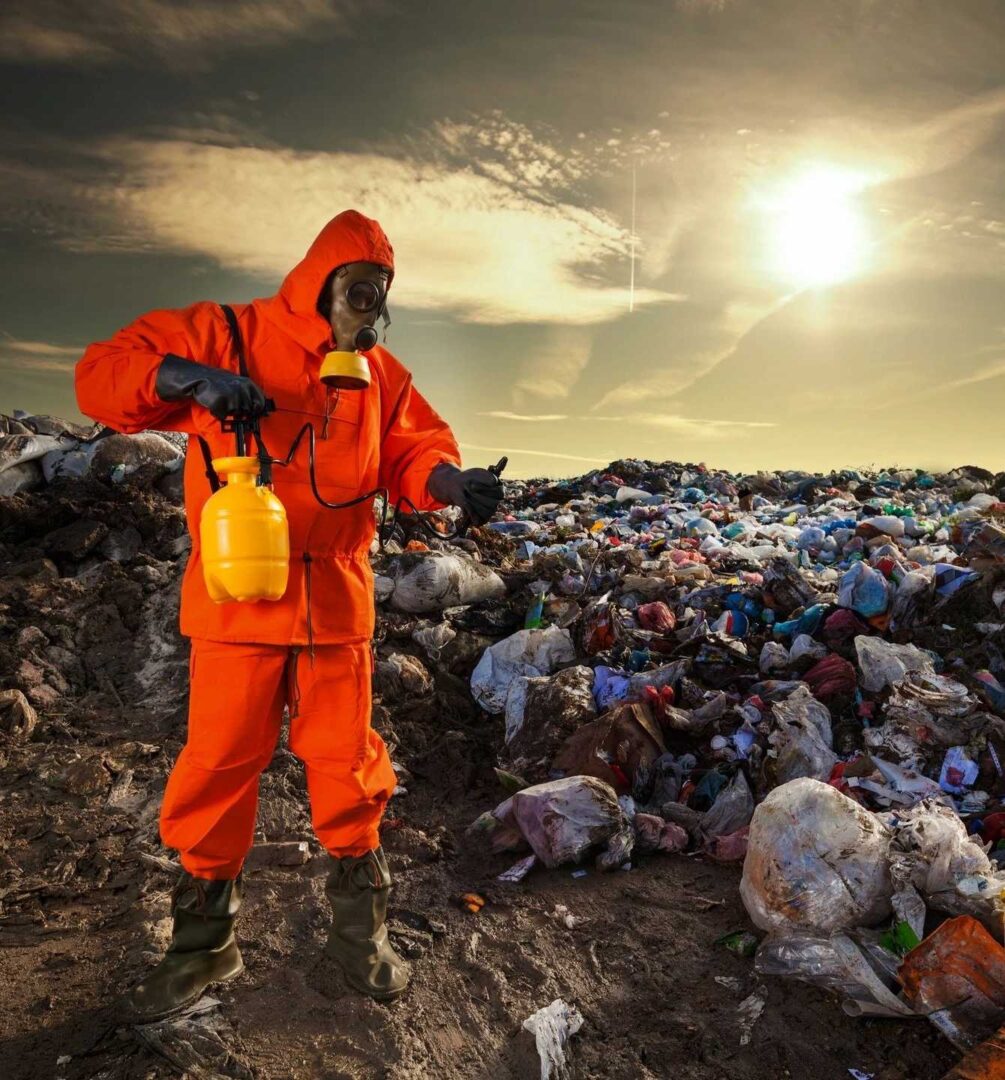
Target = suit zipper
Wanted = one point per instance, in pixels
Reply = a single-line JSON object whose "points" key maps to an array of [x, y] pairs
{"points": [[328, 405]]}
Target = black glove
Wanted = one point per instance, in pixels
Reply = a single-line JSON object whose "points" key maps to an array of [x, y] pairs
{"points": [[476, 491], [220, 391]]}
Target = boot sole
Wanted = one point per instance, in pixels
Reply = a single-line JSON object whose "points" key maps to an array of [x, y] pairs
{"points": [[164, 1014]]}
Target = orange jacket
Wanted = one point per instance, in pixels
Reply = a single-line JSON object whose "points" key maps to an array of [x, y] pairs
{"points": [[386, 436]]}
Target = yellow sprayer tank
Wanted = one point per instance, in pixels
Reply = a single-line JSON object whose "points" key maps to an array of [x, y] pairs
{"points": [[245, 537]]}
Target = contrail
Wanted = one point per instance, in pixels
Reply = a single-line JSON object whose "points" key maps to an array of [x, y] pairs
{"points": [[631, 279]]}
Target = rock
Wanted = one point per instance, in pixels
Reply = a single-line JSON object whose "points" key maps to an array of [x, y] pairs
{"points": [[76, 539], [44, 570], [278, 853], [426, 581], [83, 776], [31, 637], [23, 476], [180, 545], [43, 696], [121, 545], [172, 486], [17, 716]]}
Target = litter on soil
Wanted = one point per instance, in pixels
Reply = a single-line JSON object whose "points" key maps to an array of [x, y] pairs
{"points": [[700, 775]]}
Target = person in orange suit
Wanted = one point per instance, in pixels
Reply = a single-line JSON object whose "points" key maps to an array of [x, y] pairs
{"points": [[310, 651]]}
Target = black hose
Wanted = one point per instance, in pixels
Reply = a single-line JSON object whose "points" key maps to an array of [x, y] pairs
{"points": [[383, 533]]}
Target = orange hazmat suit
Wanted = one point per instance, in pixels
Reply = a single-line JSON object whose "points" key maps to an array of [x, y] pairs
{"points": [[247, 660]]}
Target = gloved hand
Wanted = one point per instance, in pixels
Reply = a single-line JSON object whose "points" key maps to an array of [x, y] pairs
{"points": [[220, 391], [476, 491]]}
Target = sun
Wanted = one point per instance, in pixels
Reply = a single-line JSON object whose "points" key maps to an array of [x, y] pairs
{"points": [[818, 233]]}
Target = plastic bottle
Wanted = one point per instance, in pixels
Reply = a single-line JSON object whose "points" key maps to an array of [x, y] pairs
{"points": [[245, 537]]}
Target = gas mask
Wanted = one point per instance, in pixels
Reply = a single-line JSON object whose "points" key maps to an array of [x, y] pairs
{"points": [[355, 296]]}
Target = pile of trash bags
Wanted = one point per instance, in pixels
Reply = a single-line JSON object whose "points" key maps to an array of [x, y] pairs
{"points": [[800, 673]]}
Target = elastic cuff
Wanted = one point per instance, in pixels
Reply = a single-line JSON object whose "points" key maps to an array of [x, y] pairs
{"points": [[215, 872]]}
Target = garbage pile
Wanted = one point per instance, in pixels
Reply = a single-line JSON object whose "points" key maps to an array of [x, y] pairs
{"points": [[802, 673]]}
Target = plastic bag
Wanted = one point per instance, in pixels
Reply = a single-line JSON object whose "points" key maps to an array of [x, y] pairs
{"points": [[816, 861], [851, 965], [932, 852], [864, 590], [433, 580], [934, 710], [732, 809], [541, 712], [957, 977], [881, 663], [527, 652], [802, 738], [552, 1028], [563, 819]]}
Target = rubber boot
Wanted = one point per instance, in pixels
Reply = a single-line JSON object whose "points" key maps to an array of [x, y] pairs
{"points": [[357, 889], [203, 949]]}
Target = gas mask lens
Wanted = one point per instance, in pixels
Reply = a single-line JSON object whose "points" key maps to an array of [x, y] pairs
{"points": [[363, 296]]}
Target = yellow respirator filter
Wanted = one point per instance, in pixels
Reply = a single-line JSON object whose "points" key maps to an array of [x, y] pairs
{"points": [[345, 371]]}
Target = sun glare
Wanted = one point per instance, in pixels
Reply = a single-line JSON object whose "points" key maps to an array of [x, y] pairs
{"points": [[818, 233]]}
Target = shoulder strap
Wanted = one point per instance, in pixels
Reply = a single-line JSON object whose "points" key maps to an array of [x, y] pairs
{"points": [[207, 457], [235, 335], [265, 462]]}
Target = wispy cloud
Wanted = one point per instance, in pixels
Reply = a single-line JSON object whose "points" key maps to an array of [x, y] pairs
{"points": [[681, 425], [180, 33], [37, 355], [478, 248], [502, 414], [662, 384], [510, 450], [553, 367]]}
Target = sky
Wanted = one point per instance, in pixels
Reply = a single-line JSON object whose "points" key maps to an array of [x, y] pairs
{"points": [[760, 235]]}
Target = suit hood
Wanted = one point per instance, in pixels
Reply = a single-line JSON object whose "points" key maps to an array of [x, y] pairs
{"points": [[348, 237]]}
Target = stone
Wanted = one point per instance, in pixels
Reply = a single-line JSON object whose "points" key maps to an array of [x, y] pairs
{"points": [[76, 539], [16, 715]]}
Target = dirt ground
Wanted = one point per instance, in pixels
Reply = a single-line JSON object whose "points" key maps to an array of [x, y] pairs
{"points": [[84, 881]]}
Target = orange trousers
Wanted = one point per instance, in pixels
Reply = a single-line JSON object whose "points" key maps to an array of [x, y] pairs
{"points": [[236, 698]]}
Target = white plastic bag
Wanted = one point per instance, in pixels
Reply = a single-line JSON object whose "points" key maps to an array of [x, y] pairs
{"points": [[815, 861], [427, 581], [802, 738], [932, 852], [527, 652], [881, 663]]}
